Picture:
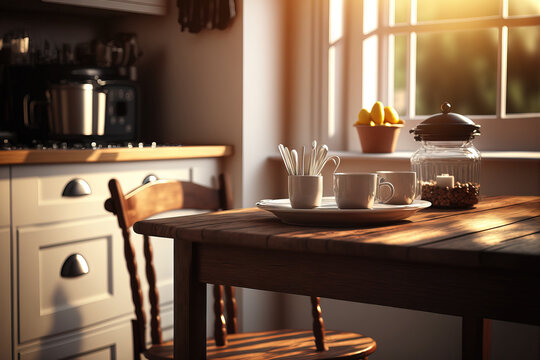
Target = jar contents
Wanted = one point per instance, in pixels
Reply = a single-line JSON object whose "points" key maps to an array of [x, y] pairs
{"points": [[456, 196]]}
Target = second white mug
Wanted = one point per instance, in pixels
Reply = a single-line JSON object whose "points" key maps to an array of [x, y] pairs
{"points": [[404, 186], [358, 190]]}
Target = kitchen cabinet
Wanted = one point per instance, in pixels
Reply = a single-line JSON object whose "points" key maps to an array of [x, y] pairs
{"points": [[109, 343], [153, 7], [53, 302], [85, 315], [4, 196], [5, 263]]}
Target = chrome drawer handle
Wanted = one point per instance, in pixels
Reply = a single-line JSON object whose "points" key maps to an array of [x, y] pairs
{"points": [[75, 265], [149, 178], [77, 187]]}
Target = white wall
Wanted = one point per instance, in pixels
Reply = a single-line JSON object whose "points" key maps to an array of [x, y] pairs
{"points": [[191, 84], [264, 93], [263, 119]]}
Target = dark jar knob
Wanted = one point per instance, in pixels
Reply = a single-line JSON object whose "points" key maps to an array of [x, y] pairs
{"points": [[446, 107]]}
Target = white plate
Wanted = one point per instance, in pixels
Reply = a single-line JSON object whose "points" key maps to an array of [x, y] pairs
{"points": [[328, 214]]}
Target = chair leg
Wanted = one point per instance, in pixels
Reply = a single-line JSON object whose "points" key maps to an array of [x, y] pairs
{"points": [[232, 311], [318, 324], [153, 296], [220, 327], [136, 340], [476, 338]]}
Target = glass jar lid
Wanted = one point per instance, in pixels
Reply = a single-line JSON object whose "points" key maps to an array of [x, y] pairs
{"points": [[446, 126]]}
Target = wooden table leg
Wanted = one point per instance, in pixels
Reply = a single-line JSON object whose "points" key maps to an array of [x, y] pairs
{"points": [[189, 304], [476, 338]]}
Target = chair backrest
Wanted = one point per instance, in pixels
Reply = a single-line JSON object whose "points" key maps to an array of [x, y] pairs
{"points": [[150, 199]]}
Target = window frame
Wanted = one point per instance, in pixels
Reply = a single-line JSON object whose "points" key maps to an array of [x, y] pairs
{"points": [[502, 22], [353, 35]]}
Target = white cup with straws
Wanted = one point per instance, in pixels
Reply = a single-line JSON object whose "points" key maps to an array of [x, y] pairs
{"points": [[305, 182]]}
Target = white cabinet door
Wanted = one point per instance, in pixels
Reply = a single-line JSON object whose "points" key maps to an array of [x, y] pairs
{"points": [[113, 343], [5, 264], [5, 293], [4, 196], [51, 302]]}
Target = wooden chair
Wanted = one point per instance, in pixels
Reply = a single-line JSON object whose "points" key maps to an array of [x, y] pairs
{"points": [[165, 195]]}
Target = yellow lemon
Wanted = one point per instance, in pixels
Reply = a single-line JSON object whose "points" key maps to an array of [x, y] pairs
{"points": [[391, 115], [377, 113], [363, 117]]}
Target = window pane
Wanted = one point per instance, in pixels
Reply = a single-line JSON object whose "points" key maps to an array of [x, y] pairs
{"points": [[332, 91], [402, 8], [371, 15], [523, 95], [429, 10], [370, 67], [459, 67], [523, 7], [336, 20], [400, 74]]}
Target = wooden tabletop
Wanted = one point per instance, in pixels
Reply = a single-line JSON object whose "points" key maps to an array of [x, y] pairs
{"points": [[481, 263], [501, 232]]}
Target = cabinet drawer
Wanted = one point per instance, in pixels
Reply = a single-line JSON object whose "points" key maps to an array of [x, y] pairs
{"points": [[51, 302], [37, 190], [4, 196], [5, 293], [109, 344]]}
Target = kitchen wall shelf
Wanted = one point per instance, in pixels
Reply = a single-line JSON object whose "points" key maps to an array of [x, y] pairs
{"points": [[151, 7]]}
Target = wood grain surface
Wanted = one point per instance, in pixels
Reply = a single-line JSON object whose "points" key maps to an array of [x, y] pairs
{"points": [[58, 156], [481, 263], [475, 237], [282, 345]]}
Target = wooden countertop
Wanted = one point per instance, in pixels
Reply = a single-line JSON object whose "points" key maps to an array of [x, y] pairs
{"points": [[58, 156]]}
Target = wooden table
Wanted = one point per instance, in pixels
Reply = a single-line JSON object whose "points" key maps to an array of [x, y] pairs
{"points": [[481, 263]]}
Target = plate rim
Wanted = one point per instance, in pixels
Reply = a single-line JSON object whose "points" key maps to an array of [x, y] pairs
{"points": [[420, 204]]}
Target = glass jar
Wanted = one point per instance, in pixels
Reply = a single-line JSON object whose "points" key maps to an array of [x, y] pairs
{"points": [[447, 164]]}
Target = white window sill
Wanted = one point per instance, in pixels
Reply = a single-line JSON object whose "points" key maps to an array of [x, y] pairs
{"points": [[406, 155]]}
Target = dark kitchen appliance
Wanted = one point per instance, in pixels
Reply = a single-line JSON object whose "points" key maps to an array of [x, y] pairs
{"points": [[68, 103]]}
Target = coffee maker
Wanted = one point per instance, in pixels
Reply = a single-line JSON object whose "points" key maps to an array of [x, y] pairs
{"points": [[93, 96]]}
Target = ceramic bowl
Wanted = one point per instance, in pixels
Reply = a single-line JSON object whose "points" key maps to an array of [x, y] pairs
{"points": [[378, 139]]}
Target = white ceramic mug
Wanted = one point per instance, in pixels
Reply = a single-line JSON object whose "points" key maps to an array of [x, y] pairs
{"points": [[404, 186], [305, 191], [357, 190]]}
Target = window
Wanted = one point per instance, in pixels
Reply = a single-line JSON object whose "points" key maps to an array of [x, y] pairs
{"points": [[483, 56]]}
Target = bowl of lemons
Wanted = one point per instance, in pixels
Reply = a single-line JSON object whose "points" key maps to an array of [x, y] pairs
{"points": [[378, 129]]}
